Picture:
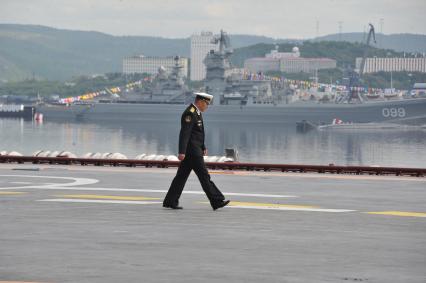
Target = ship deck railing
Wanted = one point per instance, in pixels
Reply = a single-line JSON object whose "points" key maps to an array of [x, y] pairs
{"points": [[231, 166]]}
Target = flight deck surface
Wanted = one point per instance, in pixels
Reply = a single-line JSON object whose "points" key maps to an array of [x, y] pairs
{"points": [[107, 224]]}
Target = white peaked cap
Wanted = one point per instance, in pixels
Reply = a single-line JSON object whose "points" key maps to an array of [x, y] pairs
{"points": [[205, 96]]}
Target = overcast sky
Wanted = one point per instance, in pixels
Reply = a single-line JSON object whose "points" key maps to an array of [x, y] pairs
{"points": [[179, 18]]}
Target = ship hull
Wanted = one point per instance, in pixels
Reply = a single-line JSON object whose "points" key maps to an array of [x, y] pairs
{"points": [[407, 111], [17, 111]]}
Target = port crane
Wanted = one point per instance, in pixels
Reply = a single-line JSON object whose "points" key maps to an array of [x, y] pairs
{"points": [[371, 34], [354, 78]]}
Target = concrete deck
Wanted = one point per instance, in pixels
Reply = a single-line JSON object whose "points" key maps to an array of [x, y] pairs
{"points": [[106, 224]]}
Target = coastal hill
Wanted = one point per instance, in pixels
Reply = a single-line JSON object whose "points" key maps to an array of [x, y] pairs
{"points": [[29, 51], [343, 52], [404, 42]]}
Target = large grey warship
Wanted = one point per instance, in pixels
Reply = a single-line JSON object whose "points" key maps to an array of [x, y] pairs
{"points": [[236, 100]]}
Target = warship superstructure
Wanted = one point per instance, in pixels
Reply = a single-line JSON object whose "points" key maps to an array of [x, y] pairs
{"points": [[169, 87], [230, 88]]}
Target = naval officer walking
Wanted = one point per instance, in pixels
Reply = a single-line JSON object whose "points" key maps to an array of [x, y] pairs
{"points": [[191, 152]]}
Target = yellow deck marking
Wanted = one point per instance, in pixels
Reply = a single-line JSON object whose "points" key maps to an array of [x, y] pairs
{"points": [[399, 213], [11, 193], [107, 197], [222, 172]]}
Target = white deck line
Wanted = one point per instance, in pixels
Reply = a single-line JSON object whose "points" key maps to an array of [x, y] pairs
{"points": [[101, 201], [291, 208], [157, 191]]}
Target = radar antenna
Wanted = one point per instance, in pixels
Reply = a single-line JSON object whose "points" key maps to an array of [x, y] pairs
{"points": [[223, 40]]}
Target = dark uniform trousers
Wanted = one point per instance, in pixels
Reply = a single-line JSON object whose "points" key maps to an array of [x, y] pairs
{"points": [[191, 143]]}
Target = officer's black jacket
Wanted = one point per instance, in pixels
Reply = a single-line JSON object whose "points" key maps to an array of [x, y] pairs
{"points": [[191, 137]]}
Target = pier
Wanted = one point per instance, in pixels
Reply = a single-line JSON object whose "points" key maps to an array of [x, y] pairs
{"points": [[73, 223]]}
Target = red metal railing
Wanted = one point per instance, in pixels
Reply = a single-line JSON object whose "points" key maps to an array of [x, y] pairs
{"points": [[332, 169]]}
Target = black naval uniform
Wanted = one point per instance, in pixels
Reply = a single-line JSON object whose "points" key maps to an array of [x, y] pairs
{"points": [[191, 143]]}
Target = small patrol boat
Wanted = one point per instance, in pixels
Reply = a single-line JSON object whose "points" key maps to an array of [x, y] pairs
{"points": [[339, 125]]}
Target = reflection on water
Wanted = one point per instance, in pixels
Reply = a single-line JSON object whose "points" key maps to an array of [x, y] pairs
{"points": [[255, 143]]}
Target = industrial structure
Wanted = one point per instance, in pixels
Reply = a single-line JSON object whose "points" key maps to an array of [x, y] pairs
{"points": [[387, 64], [394, 64]]}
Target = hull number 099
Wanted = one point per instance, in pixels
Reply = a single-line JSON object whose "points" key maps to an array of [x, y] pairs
{"points": [[393, 112]]}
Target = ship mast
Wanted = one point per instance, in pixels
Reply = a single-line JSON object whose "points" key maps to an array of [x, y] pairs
{"points": [[217, 63]]}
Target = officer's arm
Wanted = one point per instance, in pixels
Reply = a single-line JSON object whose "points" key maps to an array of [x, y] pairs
{"points": [[187, 123]]}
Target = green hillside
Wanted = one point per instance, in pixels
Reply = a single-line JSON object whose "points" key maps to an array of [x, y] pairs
{"points": [[41, 52], [76, 86], [343, 52], [403, 42], [30, 52]]}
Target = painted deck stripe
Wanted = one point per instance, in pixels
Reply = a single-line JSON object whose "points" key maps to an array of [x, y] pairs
{"points": [[272, 205], [172, 171], [293, 209], [100, 201], [107, 197], [75, 181], [259, 195], [152, 191], [399, 213], [11, 193], [286, 207], [222, 172]]}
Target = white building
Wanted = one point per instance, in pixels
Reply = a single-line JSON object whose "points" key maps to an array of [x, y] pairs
{"points": [[295, 53], [374, 65], [150, 65], [256, 65], [289, 62], [307, 65], [200, 45]]}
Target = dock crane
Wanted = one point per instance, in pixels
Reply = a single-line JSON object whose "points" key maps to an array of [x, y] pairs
{"points": [[371, 33], [355, 77]]}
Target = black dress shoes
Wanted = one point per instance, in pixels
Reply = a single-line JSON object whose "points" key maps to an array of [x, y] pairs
{"points": [[220, 204], [172, 206]]}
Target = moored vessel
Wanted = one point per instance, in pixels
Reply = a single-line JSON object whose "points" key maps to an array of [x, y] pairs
{"points": [[16, 111], [239, 99]]}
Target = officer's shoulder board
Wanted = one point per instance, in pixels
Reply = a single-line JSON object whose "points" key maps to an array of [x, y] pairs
{"points": [[192, 109]]}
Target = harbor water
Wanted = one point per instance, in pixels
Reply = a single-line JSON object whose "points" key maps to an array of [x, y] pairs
{"points": [[260, 143]]}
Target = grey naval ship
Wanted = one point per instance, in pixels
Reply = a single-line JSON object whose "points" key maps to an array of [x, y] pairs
{"points": [[237, 100]]}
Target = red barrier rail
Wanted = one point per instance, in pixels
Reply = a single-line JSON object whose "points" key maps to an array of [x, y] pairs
{"points": [[332, 169]]}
